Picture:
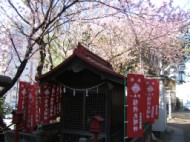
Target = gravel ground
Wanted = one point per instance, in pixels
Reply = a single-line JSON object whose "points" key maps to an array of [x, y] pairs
{"points": [[178, 128]]}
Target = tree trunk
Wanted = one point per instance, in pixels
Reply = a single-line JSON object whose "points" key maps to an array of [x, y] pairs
{"points": [[42, 55], [19, 70], [50, 59], [14, 80]]}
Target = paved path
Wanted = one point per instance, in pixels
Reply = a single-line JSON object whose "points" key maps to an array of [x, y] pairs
{"points": [[178, 128]]}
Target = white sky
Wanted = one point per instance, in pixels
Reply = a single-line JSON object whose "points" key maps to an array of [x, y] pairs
{"points": [[185, 4]]}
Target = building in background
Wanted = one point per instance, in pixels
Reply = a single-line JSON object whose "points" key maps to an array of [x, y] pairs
{"points": [[182, 88], [8, 66], [183, 85], [28, 75]]}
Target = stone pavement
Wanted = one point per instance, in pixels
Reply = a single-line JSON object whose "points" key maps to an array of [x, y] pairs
{"points": [[178, 128]]}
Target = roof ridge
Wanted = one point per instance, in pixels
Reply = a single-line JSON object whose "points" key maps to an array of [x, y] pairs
{"points": [[81, 50]]}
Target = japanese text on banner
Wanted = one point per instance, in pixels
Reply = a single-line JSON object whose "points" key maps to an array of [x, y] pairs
{"points": [[135, 91], [152, 96]]}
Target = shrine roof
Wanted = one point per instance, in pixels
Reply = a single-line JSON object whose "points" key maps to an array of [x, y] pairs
{"points": [[88, 57]]}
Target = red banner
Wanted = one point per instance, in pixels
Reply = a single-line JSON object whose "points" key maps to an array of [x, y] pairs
{"points": [[57, 109], [52, 115], [39, 108], [152, 99], [30, 108], [135, 91], [45, 103], [36, 118], [23, 87], [22, 100]]}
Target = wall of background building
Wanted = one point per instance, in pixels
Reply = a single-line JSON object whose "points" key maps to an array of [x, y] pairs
{"points": [[183, 89], [28, 75]]}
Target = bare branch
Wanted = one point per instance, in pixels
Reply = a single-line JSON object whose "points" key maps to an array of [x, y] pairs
{"points": [[18, 12], [8, 64], [12, 41], [95, 36]]}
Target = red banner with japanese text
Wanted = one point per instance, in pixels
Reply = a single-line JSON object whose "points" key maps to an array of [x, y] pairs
{"points": [[22, 100], [52, 115], [152, 100], [135, 101], [59, 91], [30, 108], [55, 101], [45, 103], [36, 118], [41, 106], [23, 87]]}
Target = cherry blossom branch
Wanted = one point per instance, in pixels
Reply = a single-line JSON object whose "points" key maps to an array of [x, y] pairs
{"points": [[18, 12]]}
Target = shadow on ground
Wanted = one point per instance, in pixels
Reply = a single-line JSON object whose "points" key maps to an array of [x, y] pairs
{"points": [[178, 128]]}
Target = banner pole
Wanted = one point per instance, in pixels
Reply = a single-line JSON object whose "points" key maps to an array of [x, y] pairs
{"points": [[124, 101]]}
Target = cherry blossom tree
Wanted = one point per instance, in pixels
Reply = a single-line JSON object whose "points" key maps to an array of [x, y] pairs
{"points": [[142, 35], [38, 23], [121, 31]]}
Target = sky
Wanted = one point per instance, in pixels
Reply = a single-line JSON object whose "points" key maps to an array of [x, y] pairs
{"points": [[185, 4]]}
